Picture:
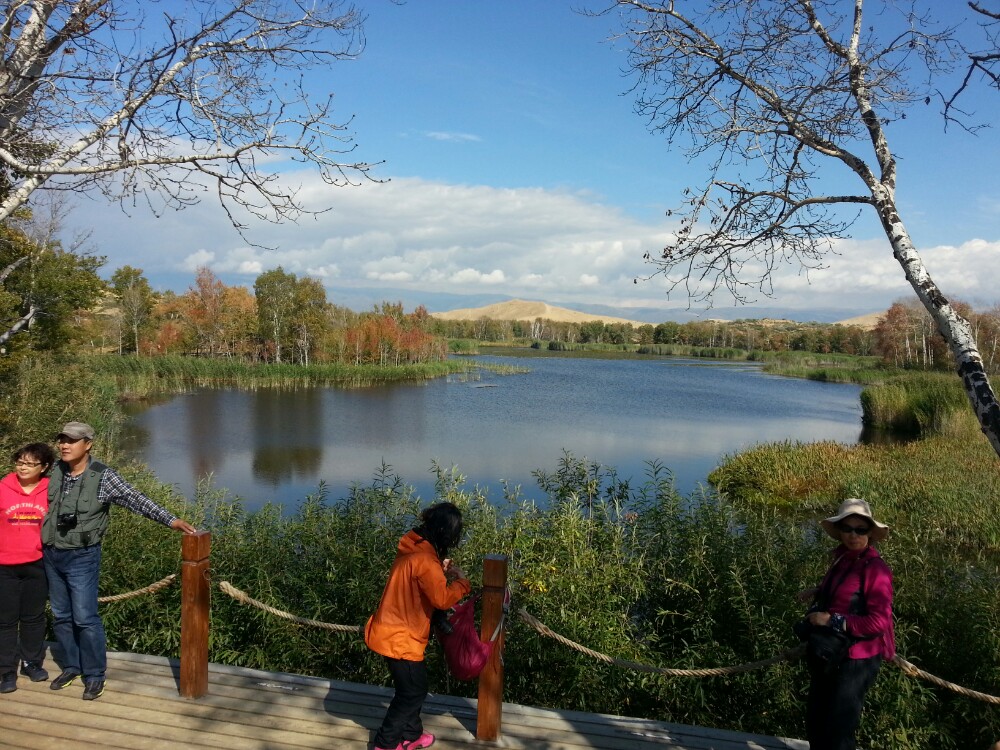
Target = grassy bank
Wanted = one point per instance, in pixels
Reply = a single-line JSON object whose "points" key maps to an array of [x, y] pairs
{"points": [[137, 376]]}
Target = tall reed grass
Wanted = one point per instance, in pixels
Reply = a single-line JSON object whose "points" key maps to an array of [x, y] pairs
{"points": [[918, 403], [140, 376]]}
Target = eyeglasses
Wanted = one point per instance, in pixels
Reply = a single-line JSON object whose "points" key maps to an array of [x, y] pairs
{"points": [[28, 464], [859, 530]]}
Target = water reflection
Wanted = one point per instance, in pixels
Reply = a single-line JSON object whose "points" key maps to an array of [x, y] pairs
{"points": [[287, 435], [280, 444]]}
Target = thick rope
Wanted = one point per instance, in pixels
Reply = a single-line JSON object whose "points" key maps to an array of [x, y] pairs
{"points": [[243, 598], [911, 670], [150, 589], [792, 654], [789, 655]]}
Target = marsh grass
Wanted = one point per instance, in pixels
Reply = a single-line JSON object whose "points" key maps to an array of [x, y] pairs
{"points": [[920, 403], [828, 368], [140, 376]]}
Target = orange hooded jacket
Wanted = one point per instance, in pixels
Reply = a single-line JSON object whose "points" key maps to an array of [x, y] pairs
{"points": [[401, 626]]}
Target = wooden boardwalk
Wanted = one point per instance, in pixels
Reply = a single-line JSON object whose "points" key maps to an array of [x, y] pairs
{"points": [[252, 710]]}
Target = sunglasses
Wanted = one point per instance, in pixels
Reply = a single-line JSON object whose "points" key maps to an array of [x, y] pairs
{"points": [[859, 530]]}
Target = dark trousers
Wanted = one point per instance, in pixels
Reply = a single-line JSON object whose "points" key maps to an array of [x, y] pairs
{"points": [[402, 719], [23, 592], [833, 711]]}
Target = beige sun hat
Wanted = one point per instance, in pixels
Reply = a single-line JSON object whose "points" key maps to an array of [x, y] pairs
{"points": [[854, 506]]}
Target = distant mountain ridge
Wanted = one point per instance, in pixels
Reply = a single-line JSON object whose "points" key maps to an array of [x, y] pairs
{"points": [[528, 310]]}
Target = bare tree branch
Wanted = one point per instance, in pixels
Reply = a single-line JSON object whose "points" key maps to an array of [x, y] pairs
{"points": [[143, 99], [984, 63]]}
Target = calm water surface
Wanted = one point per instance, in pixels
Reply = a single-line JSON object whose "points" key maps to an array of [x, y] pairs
{"points": [[278, 445]]}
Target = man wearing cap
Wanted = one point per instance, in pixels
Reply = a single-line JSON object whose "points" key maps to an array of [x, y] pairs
{"points": [[81, 492]]}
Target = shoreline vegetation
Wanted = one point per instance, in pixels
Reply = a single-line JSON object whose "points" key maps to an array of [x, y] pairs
{"points": [[634, 570]]}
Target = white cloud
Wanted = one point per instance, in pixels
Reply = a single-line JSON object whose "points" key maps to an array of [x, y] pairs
{"points": [[251, 267], [562, 247], [437, 135], [196, 260], [472, 276]]}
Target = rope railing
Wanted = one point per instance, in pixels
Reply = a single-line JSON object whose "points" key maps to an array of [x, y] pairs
{"points": [[789, 655], [150, 589], [244, 598], [792, 654], [911, 670]]}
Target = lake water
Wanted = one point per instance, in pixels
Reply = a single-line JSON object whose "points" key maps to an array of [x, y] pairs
{"points": [[278, 445]]}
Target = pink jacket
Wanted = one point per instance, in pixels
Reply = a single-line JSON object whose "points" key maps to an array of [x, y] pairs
{"points": [[21, 520], [875, 628]]}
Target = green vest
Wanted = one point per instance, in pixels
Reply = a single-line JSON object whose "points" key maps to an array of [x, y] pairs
{"points": [[92, 516]]}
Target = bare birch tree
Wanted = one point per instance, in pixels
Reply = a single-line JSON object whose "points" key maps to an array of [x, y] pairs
{"points": [[167, 101], [784, 94]]}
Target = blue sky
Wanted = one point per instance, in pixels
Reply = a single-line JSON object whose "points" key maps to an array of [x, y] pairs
{"points": [[516, 168]]}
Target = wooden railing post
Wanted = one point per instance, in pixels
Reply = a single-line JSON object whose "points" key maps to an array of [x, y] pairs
{"points": [[491, 679], [195, 598]]}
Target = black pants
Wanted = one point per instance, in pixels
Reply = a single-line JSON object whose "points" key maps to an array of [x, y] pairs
{"points": [[23, 592], [402, 719], [833, 711]]}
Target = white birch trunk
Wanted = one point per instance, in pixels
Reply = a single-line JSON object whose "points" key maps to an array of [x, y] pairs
{"points": [[956, 330]]}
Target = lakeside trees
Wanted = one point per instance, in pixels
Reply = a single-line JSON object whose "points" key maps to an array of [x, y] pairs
{"points": [[42, 286], [285, 319], [788, 89]]}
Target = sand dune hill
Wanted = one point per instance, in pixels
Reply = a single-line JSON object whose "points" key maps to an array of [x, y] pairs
{"points": [[867, 322], [528, 310], [519, 309]]}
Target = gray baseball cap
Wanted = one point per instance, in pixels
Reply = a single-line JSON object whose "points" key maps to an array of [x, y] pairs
{"points": [[77, 430]]}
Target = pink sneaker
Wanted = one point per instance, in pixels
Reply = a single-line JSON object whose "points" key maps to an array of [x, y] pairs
{"points": [[424, 740]]}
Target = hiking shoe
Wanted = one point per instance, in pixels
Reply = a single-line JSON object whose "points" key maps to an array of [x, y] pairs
{"points": [[93, 689], [424, 740], [8, 682], [33, 671], [65, 679]]}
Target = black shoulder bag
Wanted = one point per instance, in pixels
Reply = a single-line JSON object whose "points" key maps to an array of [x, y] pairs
{"points": [[827, 646]]}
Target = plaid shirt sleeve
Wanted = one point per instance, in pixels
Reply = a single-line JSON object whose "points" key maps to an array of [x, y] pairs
{"points": [[114, 489]]}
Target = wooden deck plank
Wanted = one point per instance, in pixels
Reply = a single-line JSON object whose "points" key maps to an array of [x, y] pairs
{"points": [[254, 710]]}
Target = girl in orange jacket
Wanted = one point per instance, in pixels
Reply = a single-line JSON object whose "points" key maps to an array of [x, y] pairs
{"points": [[421, 581]]}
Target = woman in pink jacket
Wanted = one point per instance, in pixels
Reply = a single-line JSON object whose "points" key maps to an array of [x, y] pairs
{"points": [[23, 588], [855, 597], [422, 581]]}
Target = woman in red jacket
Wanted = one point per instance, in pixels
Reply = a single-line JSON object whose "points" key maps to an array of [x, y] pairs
{"points": [[421, 581], [855, 597], [23, 589]]}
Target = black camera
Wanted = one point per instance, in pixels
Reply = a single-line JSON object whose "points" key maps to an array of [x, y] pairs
{"points": [[66, 521], [802, 629], [439, 621]]}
